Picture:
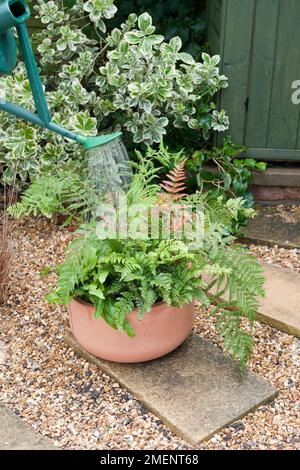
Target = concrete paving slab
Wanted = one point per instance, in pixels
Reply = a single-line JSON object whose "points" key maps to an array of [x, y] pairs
{"points": [[15, 434], [274, 226], [281, 306], [196, 390]]}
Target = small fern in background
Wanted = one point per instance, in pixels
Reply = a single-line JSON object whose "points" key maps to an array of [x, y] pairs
{"points": [[65, 192]]}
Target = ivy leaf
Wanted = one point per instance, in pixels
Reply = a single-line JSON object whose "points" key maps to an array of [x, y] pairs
{"points": [[162, 122], [123, 47], [116, 35], [101, 25], [163, 92], [102, 275], [145, 105], [250, 162], [226, 180], [8, 176], [149, 30], [93, 289], [261, 166], [146, 46], [155, 39]]}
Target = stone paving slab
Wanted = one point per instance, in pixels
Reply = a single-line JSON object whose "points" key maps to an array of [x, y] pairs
{"points": [[196, 390], [17, 435], [281, 306], [274, 226]]}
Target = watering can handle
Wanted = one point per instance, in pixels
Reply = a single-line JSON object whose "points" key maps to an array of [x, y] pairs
{"points": [[15, 13], [33, 74]]}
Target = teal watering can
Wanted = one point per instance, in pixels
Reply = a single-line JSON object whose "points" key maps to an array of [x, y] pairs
{"points": [[14, 14]]}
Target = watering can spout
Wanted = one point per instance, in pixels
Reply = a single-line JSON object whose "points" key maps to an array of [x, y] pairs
{"points": [[14, 14], [91, 142]]}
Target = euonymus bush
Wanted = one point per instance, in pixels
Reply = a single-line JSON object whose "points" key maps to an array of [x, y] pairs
{"points": [[187, 19], [129, 79]]}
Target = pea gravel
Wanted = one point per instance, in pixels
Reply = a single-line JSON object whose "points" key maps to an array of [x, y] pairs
{"points": [[282, 257], [76, 406]]}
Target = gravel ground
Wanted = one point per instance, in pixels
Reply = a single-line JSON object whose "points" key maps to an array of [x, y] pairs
{"points": [[77, 407], [289, 259]]}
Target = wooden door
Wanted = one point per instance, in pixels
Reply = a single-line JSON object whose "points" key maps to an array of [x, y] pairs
{"points": [[259, 44]]}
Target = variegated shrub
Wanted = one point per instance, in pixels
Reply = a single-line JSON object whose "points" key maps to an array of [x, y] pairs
{"points": [[129, 79]]}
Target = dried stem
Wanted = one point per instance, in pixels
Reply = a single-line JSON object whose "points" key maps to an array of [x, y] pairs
{"points": [[6, 228]]}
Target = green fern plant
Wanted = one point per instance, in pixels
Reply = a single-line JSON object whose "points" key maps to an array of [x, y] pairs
{"points": [[118, 275], [65, 192]]}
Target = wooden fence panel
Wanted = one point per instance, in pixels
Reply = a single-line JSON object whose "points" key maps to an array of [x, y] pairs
{"points": [[259, 44]]}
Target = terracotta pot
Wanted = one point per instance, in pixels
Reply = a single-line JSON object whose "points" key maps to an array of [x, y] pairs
{"points": [[157, 334]]}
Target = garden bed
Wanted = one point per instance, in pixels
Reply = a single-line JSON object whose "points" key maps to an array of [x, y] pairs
{"points": [[77, 407]]}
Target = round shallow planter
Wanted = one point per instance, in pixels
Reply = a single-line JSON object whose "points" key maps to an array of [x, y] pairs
{"points": [[157, 334]]}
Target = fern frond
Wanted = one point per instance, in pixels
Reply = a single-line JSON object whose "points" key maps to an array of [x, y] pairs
{"points": [[123, 305], [175, 183], [48, 195], [236, 341], [147, 299], [163, 283], [165, 157], [115, 287], [130, 271], [70, 274], [17, 210]]}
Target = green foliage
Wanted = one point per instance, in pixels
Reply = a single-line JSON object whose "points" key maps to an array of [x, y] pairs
{"points": [[117, 275], [186, 19], [69, 192], [227, 176], [241, 212], [240, 285], [139, 273], [166, 158], [227, 173], [228, 169], [62, 193], [130, 79]]}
